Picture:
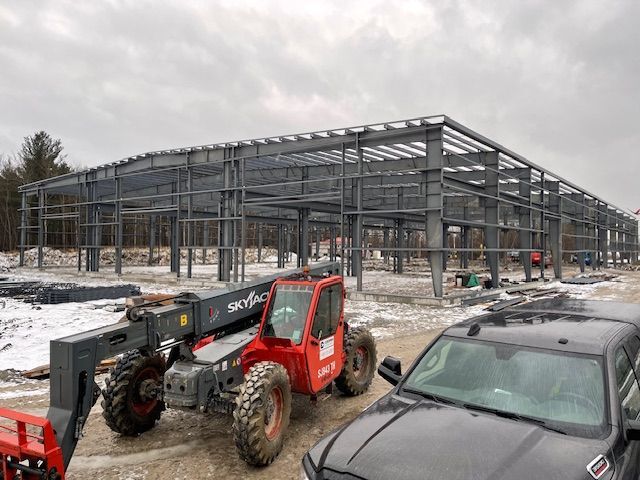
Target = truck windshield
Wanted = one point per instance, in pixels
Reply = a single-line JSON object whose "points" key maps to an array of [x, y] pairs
{"points": [[558, 390], [288, 311]]}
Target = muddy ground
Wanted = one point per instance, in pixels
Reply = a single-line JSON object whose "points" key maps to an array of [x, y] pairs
{"points": [[190, 446], [185, 445]]}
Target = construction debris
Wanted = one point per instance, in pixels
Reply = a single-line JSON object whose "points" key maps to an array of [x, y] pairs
{"points": [[496, 307], [54, 293], [582, 280], [543, 291]]}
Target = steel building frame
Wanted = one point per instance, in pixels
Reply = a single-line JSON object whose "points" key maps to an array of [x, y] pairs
{"points": [[420, 175]]}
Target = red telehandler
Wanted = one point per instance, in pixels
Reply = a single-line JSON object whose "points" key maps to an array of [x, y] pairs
{"points": [[271, 337]]}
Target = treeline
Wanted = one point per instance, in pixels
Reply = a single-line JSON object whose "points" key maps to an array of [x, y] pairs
{"points": [[40, 157]]}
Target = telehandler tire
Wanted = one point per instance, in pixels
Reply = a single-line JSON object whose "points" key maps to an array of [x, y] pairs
{"points": [[262, 412], [125, 408], [358, 370]]}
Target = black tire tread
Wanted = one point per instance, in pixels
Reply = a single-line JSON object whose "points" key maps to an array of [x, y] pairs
{"points": [[346, 381], [248, 425], [115, 407]]}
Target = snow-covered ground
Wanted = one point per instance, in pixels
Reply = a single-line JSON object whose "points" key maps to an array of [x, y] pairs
{"points": [[25, 329]]}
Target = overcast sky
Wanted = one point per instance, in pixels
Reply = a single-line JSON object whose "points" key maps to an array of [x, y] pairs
{"points": [[558, 82]]}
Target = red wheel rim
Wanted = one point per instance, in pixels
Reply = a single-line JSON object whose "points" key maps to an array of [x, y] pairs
{"points": [[360, 362], [273, 413], [142, 407]]}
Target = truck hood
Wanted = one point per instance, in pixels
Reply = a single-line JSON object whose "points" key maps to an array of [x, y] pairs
{"points": [[397, 438]]}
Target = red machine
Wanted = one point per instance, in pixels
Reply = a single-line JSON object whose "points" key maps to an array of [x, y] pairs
{"points": [[219, 360]]}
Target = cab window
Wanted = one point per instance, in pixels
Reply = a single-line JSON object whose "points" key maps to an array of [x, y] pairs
{"points": [[327, 316], [287, 314], [628, 390]]}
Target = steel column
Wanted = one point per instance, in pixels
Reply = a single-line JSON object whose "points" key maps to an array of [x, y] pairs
{"points": [[492, 212], [613, 236], [435, 207], [603, 235], [578, 220], [153, 221], [41, 202], [303, 237], [592, 233], [178, 232], [400, 244], [524, 220], [555, 226], [280, 245], [205, 241], [400, 236], [23, 226], [226, 225], [465, 234], [119, 226], [174, 233], [385, 245], [190, 224], [358, 220]]}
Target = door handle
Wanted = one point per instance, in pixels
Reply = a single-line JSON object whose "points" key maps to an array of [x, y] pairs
{"points": [[314, 342]]}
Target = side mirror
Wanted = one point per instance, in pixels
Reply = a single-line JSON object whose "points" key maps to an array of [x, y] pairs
{"points": [[633, 429], [391, 370]]}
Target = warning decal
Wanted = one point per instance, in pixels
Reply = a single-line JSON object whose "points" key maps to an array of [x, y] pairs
{"points": [[326, 348]]}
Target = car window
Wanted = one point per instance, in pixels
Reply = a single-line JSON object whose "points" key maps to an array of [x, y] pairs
{"points": [[628, 390], [633, 346], [325, 322], [559, 388]]}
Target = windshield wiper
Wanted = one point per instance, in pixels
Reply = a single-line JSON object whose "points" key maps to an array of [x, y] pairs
{"points": [[428, 395], [513, 416]]}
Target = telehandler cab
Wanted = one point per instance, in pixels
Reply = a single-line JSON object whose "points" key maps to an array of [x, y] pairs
{"points": [[220, 359]]}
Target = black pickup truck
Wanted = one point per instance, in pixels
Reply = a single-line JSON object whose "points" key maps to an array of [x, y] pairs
{"points": [[545, 390]]}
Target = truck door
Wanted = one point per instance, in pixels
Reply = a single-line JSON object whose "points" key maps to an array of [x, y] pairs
{"points": [[627, 361], [324, 344]]}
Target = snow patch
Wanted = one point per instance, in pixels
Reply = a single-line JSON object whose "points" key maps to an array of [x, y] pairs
{"points": [[26, 330]]}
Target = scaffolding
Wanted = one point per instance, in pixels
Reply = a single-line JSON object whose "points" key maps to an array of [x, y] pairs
{"points": [[427, 178]]}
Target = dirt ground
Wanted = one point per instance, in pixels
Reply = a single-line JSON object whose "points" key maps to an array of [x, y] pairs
{"points": [[186, 445], [190, 446]]}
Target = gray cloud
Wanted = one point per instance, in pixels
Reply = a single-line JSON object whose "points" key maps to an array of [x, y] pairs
{"points": [[555, 81]]}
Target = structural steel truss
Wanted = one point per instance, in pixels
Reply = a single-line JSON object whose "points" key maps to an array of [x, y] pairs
{"points": [[419, 176]]}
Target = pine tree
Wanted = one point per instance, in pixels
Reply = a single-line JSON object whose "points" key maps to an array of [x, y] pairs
{"points": [[9, 204], [41, 157]]}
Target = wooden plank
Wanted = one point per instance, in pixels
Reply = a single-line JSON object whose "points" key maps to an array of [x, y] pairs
{"points": [[42, 372]]}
